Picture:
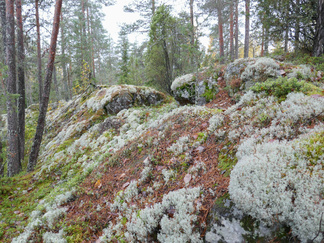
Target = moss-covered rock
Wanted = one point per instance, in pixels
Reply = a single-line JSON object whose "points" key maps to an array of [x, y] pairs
{"points": [[198, 88], [118, 97]]}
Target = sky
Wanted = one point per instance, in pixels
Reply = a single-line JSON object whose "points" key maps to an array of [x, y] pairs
{"points": [[115, 16]]}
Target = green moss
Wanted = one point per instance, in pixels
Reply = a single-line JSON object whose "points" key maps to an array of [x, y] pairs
{"points": [[227, 160], [18, 199], [209, 94]]}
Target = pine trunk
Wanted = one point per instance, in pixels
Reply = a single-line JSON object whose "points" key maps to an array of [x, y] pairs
{"points": [[231, 32], [57, 95], [192, 39], [153, 7], [236, 30], [39, 57], [220, 34], [63, 62], [266, 41], [21, 81], [319, 36], [14, 165], [297, 27], [47, 88], [287, 28], [247, 29], [3, 26]]}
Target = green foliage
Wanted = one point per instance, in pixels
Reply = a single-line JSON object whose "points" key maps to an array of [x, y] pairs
{"points": [[83, 82], [282, 86], [123, 76], [315, 148]]}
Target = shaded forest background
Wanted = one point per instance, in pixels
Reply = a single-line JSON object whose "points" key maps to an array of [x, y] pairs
{"points": [[85, 53]]}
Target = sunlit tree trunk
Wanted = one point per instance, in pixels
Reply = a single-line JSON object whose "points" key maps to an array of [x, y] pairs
{"points": [[47, 87]]}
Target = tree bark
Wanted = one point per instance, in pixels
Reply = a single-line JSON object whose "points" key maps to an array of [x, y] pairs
{"points": [[297, 27], [231, 31], [57, 94], [47, 88], [220, 33], [63, 62], [247, 29], [286, 11], [14, 165], [236, 30], [266, 40], [21, 81], [39, 57], [1, 159], [3, 27], [153, 7], [319, 36], [3, 59], [192, 39]]}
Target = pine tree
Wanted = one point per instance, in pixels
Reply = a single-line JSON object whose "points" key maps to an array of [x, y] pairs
{"points": [[47, 87], [13, 162]]}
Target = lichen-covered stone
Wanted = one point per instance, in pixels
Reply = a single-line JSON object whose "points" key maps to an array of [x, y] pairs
{"points": [[226, 223], [197, 88], [242, 74], [118, 97]]}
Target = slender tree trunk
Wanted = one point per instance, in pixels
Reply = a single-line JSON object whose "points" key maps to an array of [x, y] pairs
{"points": [[3, 28], [63, 62], [47, 88], [39, 56], [21, 81], [231, 31], [220, 33], [192, 39], [57, 94], [3, 58], [286, 11], [1, 160], [236, 30], [319, 36], [14, 165], [90, 32], [262, 44], [266, 40], [69, 79], [153, 7], [247, 29], [297, 27]]}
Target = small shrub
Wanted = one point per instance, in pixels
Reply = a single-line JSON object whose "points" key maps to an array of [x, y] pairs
{"points": [[281, 87]]}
